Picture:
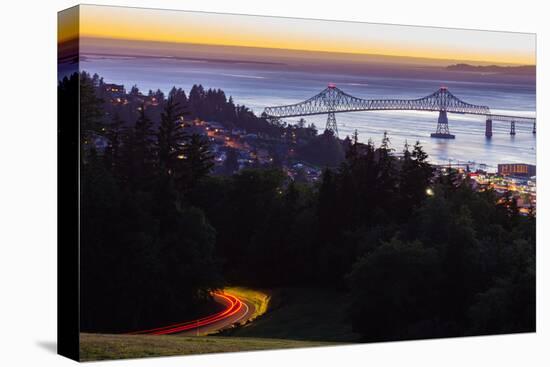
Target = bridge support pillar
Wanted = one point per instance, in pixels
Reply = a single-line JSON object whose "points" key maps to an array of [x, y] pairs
{"points": [[534, 127], [442, 130], [513, 128], [331, 124], [488, 128]]}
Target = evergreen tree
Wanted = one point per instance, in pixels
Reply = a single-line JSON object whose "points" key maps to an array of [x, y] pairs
{"points": [[179, 96], [231, 164], [352, 153], [143, 140], [134, 91], [414, 178], [387, 177], [113, 133], [198, 159], [91, 111], [196, 101], [170, 138]]}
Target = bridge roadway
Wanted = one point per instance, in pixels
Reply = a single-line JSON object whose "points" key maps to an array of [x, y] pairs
{"points": [[333, 100]]}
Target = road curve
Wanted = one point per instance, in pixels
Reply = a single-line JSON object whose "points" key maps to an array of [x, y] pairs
{"points": [[235, 311]]}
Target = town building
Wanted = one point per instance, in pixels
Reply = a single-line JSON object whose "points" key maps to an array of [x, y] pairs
{"points": [[114, 89], [517, 169]]}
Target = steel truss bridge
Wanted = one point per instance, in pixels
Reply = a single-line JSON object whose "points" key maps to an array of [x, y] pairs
{"points": [[333, 100]]}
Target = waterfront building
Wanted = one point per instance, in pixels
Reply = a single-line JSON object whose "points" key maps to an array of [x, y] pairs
{"points": [[517, 169]]}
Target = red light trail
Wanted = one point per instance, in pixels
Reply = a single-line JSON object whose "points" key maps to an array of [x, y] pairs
{"points": [[234, 305]]}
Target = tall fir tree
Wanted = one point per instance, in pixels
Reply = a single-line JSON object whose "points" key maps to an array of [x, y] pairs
{"points": [[114, 134], [91, 110], [171, 138], [144, 138], [198, 160]]}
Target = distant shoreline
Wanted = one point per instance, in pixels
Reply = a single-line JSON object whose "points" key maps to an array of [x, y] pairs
{"points": [[516, 70], [131, 56]]}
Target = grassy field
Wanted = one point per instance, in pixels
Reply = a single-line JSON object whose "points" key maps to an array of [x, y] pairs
{"points": [[285, 318], [302, 314], [95, 347]]}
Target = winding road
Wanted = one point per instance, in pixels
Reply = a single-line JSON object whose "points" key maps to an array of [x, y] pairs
{"points": [[235, 311]]}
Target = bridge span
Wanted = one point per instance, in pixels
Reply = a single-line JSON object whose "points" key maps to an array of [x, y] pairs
{"points": [[333, 100]]}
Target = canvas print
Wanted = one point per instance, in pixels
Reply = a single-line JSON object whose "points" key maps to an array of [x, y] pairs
{"points": [[250, 183]]}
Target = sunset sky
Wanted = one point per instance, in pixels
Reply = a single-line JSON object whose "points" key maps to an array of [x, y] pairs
{"points": [[301, 34]]}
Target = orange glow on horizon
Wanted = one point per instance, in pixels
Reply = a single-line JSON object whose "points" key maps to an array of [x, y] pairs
{"points": [[67, 25], [136, 24]]}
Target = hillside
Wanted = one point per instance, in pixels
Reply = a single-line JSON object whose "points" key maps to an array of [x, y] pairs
{"points": [[303, 314]]}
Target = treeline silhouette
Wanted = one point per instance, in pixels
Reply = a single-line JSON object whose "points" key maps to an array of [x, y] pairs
{"points": [[158, 232], [205, 104]]}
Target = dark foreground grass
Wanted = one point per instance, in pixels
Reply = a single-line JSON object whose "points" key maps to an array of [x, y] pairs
{"points": [[303, 314], [95, 347]]}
